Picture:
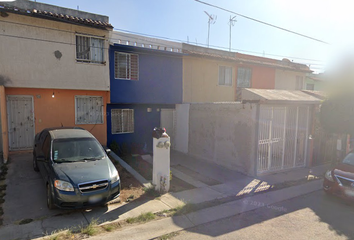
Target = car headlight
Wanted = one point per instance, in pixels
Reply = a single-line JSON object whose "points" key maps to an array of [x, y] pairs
{"points": [[328, 176], [63, 185], [115, 176]]}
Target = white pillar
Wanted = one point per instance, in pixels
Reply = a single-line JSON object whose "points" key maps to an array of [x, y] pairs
{"points": [[161, 163]]}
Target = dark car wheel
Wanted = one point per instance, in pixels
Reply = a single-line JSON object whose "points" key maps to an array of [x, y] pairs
{"points": [[35, 167], [49, 198]]}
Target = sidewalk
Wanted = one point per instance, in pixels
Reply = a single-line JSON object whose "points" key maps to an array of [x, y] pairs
{"points": [[164, 226], [229, 184]]}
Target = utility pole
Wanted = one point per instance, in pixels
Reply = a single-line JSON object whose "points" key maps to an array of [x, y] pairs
{"points": [[231, 23], [212, 20]]}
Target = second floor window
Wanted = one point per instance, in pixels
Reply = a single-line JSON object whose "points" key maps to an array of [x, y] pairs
{"points": [[225, 75], [126, 66], [244, 76], [310, 86], [89, 49], [299, 83]]}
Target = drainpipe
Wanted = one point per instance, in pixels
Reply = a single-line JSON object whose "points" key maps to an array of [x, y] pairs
{"points": [[5, 139]]}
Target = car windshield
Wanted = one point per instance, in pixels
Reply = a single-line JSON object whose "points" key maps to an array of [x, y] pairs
{"points": [[349, 159], [75, 150]]}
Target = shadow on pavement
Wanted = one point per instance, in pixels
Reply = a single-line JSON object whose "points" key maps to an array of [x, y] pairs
{"points": [[309, 216]]}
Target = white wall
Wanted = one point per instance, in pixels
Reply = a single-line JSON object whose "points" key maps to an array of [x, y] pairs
{"points": [[181, 128], [28, 61], [286, 80]]}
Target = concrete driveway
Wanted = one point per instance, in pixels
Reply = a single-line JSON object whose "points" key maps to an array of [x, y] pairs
{"points": [[25, 193], [26, 200]]}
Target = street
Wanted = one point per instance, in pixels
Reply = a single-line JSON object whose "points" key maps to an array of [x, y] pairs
{"points": [[312, 216]]}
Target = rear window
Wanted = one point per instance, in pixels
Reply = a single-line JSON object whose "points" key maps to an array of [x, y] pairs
{"points": [[76, 149]]}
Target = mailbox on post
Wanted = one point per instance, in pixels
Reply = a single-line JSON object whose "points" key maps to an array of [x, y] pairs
{"points": [[161, 160]]}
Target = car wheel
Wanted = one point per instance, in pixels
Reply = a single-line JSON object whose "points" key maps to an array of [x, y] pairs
{"points": [[35, 167], [50, 204]]}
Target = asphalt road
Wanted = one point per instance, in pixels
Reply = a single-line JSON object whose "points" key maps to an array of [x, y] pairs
{"points": [[312, 216]]}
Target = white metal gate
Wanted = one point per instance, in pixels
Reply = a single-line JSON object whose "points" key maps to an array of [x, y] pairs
{"points": [[20, 122], [282, 135]]}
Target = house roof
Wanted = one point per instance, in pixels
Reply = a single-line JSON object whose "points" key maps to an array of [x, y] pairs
{"points": [[318, 94], [274, 96], [51, 12], [244, 58]]}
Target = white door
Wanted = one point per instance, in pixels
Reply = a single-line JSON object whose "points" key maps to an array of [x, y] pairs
{"points": [[167, 121], [20, 122]]}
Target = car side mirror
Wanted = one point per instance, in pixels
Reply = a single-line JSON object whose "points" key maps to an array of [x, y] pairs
{"points": [[41, 159], [108, 151]]}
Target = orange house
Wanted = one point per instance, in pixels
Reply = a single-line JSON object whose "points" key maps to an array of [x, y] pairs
{"points": [[266, 73]]}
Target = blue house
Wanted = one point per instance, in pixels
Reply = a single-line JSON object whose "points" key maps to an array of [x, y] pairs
{"points": [[145, 85]]}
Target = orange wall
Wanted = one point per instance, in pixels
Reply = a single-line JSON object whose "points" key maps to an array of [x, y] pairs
{"points": [[262, 77], [60, 110]]}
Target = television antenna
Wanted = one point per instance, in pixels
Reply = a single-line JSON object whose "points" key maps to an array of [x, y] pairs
{"points": [[231, 23], [212, 20]]}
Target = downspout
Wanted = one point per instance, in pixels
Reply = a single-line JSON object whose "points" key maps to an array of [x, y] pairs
{"points": [[5, 139]]}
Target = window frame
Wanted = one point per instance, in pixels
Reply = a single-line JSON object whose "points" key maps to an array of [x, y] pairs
{"points": [[116, 74], [224, 74], [299, 80], [122, 120], [310, 84], [76, 115], [91, 61], [250, 76]]}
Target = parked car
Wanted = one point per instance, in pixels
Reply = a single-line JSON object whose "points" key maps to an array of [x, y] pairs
{"points": [[75, 168], [340, 180]]}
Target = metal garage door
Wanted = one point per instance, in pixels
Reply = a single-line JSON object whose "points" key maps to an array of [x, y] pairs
{"points": [[283, 134], [20, 122]]}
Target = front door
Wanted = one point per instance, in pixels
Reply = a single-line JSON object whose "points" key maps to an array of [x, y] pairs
{"points": [[20, 122]]}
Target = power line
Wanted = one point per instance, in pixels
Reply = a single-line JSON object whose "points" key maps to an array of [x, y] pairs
{"points": [[234, 49], [265, 23]]}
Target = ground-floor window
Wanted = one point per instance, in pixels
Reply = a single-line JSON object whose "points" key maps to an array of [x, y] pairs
{"points": [[122, 121], [88, 110]]}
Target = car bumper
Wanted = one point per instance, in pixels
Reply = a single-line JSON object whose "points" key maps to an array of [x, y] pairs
{"points": [[76, 199], [334, 188]]}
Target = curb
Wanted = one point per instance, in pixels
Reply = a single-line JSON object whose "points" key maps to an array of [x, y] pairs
{"points": [[138, 177], [168, 225]]}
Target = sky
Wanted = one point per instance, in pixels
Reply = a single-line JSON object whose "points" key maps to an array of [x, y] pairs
{"points": [[185, 20]]}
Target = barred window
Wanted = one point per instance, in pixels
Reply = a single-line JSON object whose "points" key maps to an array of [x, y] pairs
{"points": [[126, 66], [89, 49], [122, 121], [88, 110], [225, 75], [244, 76]]}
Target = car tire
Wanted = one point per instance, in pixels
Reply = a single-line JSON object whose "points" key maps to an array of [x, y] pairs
{"points": [[35, 166], [50, 204]]}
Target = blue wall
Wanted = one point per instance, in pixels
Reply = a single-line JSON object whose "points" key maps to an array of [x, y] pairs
{"points": [[144, 123], [160, 77]]}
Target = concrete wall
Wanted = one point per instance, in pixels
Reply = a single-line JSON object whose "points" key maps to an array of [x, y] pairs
{"points": [[60, 110], [224, 133], [181, 128], [201, 81], [28, 60], [286, 80]]}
